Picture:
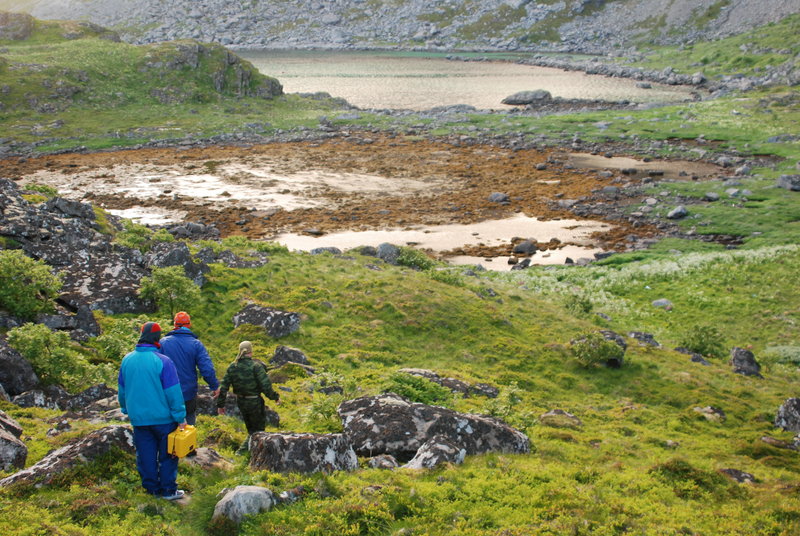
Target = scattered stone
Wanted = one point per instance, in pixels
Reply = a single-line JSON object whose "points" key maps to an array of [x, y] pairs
{"points": [[331, 250], [678, 213], [711, 413], [711, 196], [663, 303], [778, 444], [243, 501], [388, 253], [77, 452], [558, 418], [276, 323], [302, 453], [645, 339], [739, 476], [744, 362], [499, 197], [526, 247], [285, 354], [457, 386], [789, 182], [694, 356], [523, 98], [208, 458]]}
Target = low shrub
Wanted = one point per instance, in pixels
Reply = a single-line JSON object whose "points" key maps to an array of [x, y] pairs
{"points": [[593, 349], [27, 287], [704, 340], [418, 389]]}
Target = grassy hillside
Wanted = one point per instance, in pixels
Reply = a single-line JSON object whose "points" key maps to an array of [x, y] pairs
{"points": [[643, 462], [67, 85]]}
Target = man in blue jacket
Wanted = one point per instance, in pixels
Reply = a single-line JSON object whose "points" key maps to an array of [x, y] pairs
{"points": [[150, 394], [189, 355]]}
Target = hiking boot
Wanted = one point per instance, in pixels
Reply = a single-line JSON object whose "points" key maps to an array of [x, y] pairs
{"points": [[177, 494]]}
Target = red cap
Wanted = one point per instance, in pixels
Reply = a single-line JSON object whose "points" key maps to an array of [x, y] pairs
{"points": [[182, 319]]}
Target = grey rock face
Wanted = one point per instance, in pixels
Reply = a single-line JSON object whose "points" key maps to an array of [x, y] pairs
{"points": [[285, 354], [744, 362], [788, 416], [526, 247], [75, 453], [678, 213], [16, 372], [391, 424], [436, 451], [13, 452], [276, 323], [383, 461], [242, 501], [645, 339], [302, 453]]}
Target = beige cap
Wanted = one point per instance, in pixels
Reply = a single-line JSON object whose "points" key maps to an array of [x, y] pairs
{"points": [[245, 347]]}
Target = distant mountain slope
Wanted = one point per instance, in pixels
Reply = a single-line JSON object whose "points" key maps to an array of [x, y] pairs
{"points": [[578, 25]]}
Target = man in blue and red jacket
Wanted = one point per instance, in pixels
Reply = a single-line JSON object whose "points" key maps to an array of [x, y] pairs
{"points": [[189, 355], [150, 394]]}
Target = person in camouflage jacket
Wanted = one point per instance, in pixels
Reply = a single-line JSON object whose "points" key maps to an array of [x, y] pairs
{"points": [[249, 380]]}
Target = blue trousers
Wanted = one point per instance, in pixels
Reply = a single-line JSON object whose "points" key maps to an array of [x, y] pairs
{"points": [[158, 469]]}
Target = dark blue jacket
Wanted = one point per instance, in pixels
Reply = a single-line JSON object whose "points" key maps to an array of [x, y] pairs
{"points": [[189, 356]]}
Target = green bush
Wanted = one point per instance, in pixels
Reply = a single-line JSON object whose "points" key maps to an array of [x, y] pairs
{"points": [[418, 389], [118, 338], [27, 287], [593, 349], [704, 340], [170, 289], [54, 358], [414, 258]]}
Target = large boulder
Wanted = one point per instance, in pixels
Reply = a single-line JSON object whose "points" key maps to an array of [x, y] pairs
{"points": [[75, 453], [15, 26], [16, 372], [744, 362], [276, 323], [89, 396], [788, 416], [789, 182], [522, 98], [436, 451], [13, 452], [302, 453], [242, 501], [391, 424]]}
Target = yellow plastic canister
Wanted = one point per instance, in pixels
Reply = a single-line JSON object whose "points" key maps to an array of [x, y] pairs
{"points": [[182, 442]]}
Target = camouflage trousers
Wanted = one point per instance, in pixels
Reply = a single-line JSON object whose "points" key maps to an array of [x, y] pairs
{"points": [[254, 414]]}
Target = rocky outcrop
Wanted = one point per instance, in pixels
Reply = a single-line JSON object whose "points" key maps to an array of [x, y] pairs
{"points": [[15, 26], [789, 182], [9, 425], [16, 372], [391, 424], [77, 452], [165, 254], [788, 416], [243, 501], [301, 453], [276, 323]]}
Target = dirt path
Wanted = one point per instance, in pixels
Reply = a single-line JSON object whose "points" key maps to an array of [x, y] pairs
{"points": [[346, 184]]}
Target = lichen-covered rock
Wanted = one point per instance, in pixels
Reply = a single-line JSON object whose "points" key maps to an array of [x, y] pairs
{"points": [[276, 323], [302, 453], [522, 98], [391, 424], [436, 451], [165, 254], [455, 385], [208, 458], [788, 416], [739, 476], [13, 452], [382, 461], [789, 182], [16, 372], [645, 339], [711, 413], [388, 253], [242, 501], [15, 26], [89, 396], [75, 453]]}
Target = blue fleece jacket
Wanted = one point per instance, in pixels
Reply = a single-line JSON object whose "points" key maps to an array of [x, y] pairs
{"points": [[149, 390], [189, 355]]}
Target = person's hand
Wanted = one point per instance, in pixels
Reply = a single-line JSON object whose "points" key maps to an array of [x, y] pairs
{"points": [[278, 402], [182, 426], [215, 394], [220, 411]]}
